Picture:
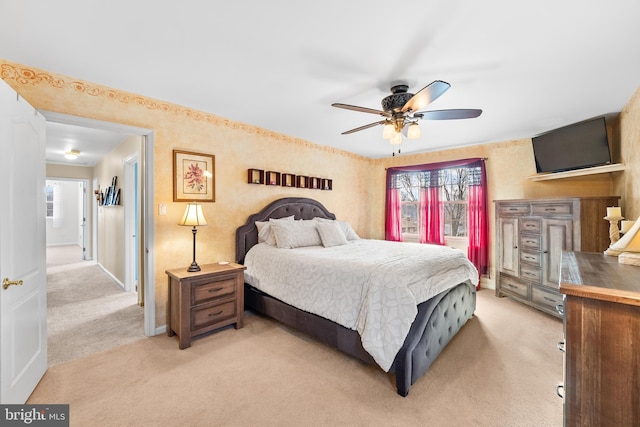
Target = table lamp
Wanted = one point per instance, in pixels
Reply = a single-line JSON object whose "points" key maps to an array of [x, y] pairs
{"points": [[193, 216]]}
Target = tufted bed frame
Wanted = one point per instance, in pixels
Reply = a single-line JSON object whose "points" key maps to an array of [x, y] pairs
{"points": [[437, 322]]}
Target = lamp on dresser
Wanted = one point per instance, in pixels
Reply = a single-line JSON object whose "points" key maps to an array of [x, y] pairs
{"points": [[193, 216]]}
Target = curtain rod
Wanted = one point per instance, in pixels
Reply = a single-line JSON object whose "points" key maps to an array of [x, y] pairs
{"points": [[480, 158]]}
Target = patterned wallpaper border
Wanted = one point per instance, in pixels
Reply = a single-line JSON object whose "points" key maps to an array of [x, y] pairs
{"points": [[31, 76]]}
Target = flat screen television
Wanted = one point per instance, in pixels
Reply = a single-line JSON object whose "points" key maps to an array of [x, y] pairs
{"points": [[576, 146]]}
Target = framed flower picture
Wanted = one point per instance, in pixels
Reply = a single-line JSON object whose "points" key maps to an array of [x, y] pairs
{"points": [[193, 177]]}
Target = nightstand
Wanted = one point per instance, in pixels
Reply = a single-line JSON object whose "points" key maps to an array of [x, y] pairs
{"points": [[205, 300]]}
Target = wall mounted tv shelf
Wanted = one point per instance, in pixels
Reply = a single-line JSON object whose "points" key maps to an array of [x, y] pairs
{"points": [[578, 172]]}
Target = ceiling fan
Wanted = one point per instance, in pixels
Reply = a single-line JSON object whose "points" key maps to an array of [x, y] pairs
{"points": [[401, 111]]}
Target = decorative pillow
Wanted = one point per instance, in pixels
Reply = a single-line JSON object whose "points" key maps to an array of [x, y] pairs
{"points": [[265, 233], [295, 234], [331, 234], [348, 231]]}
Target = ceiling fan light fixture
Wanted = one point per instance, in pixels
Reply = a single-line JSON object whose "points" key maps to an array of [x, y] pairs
{"points": [[72, 155], [413, 132], [389, 131], [396, 139]]}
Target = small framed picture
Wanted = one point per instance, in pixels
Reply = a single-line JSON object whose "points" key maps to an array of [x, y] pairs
{"points": [[193, 177]]}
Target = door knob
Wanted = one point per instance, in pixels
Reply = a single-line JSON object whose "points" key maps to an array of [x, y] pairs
{"points": [[6, 283]]}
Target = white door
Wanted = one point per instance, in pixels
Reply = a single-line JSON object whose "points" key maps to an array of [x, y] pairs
{"points": [[23, 305]]}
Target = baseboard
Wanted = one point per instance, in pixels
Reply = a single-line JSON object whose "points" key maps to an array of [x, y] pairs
{"points": [[487, 283], [114, 278]]}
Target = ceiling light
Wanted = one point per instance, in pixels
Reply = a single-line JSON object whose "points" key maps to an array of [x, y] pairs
{"points": [[397, 139], [389, 131], [72, 155], [414, 131]]}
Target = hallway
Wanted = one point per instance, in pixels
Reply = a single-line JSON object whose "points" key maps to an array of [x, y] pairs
{"points": [[87, 311]]}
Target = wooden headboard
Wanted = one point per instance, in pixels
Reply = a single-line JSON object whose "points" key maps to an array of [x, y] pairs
{"points": [[300, 207]]}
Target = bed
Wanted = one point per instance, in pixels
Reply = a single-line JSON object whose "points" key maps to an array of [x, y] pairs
{"points": [[437, 319]]}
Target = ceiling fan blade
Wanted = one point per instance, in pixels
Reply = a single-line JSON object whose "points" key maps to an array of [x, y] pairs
{"points": [[448, 114], [361, 109], [426, 96], [370, 125]]}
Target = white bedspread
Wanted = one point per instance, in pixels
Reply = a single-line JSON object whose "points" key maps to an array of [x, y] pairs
{"points": [[372, 286]]}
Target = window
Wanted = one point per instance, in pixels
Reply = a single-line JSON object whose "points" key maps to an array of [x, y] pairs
{"points": [[445, 200], [410, 205], [453, 196], [50, 200]]}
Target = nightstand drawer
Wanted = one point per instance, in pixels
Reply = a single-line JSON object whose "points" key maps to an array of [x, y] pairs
{"points": [[207, 291], [211, 315]]}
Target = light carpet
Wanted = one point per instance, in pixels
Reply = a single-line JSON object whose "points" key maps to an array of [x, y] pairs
{"points": [[87, 312], [500, 370]]}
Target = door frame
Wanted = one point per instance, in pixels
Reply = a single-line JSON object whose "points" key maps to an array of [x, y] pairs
{"points": [[147, 190], [87, 253], [131, 184]]}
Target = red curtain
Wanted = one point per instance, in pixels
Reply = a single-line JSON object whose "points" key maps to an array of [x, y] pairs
{"points": [[478, 251], [430, 211], [393, 223]]}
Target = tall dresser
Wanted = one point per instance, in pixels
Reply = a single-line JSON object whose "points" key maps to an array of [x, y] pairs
{"points": [[531, 235], [602, 341]]}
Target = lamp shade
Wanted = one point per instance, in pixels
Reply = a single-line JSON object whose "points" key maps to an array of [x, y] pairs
{"points": [[193, 215], [388, 131], [397, 139], [414, 131]]}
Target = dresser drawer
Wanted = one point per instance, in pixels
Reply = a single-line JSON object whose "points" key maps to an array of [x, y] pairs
{"points": [[514, 286], [208, 316], [515, 209], [530, 241], [533, 258], [530, 273], [530, 225], [548, 299], [208, 290], [552, 209]]}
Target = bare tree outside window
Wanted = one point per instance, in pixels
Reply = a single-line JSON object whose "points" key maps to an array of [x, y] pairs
{"points": [[455, 184], [410, 200], [453, 198]]}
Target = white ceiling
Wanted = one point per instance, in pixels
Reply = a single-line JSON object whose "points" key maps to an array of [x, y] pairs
{"points": [[530, 66], [92, 143]]}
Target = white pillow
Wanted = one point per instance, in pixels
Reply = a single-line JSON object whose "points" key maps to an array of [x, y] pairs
{"points": [[295, 234], [331, 234], [265, 233], [348, 231]]}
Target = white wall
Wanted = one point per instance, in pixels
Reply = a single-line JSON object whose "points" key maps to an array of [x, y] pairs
{"points": [[64, 227]]}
